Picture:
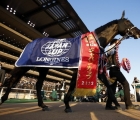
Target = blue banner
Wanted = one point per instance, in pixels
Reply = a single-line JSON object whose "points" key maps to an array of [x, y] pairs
{"points": [[51, 52]]}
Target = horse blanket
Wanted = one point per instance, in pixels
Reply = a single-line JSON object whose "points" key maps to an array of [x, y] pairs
{"points": [[51, 52], [75, 52]]}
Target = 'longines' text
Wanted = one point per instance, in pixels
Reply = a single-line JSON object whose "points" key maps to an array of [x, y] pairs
{"points": [[55, 60]]}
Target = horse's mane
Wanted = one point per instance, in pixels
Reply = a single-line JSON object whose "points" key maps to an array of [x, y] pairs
{"points": [[102, 28]]}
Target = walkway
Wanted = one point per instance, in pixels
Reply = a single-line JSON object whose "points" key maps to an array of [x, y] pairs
{"points": [[81, 111]]}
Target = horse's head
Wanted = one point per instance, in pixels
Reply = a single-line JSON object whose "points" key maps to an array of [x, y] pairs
{"points": [[125, 27]]}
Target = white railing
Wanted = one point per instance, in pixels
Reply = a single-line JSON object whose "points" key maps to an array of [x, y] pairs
{"points": [[29, 93], [135, 84]]}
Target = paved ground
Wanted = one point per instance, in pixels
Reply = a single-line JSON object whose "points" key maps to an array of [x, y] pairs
{"points": [[81, 111]]}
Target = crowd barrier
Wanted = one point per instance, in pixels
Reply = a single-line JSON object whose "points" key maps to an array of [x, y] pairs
{"points": [[29, 94]]}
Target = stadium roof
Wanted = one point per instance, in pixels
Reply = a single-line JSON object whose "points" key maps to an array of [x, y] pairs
{"points": [[53, 18], [22, 21]]}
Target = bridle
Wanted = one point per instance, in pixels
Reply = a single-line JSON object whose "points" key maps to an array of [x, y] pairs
{"points": [[129, 31], [128, 34], [102, 49]]}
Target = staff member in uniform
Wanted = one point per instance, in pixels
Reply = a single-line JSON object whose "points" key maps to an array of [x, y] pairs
{"points": [[114, 72]]}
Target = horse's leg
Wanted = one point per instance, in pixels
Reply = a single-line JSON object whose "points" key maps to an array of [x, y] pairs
{"points": [[10, 82], [70, 91], [39, 84], [110, 92]]}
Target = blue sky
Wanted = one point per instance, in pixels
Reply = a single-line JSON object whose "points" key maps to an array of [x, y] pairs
{"points": [[95, 13]]}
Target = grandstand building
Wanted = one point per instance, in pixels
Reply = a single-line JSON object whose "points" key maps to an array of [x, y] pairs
{"points": [[22, 21]]}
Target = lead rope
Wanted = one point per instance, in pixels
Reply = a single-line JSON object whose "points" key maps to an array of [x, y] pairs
{"points": [[103, 64], [117, 56]]}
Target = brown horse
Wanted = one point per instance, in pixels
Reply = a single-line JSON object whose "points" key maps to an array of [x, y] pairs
{"points": [[104, 33]]}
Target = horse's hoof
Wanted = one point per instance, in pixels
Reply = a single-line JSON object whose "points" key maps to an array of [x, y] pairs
{"points": [[68, 110], [45, 108]]}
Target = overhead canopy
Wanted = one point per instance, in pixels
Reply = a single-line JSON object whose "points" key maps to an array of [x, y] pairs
{"points": [[22, 21], [55, 18]]}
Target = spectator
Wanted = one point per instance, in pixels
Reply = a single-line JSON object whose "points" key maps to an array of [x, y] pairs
{"points": [[57, 86], [136, 80], [53, 95], [104, 95], [63, 85], [137, 88], [97, 95], [120, 92]]}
